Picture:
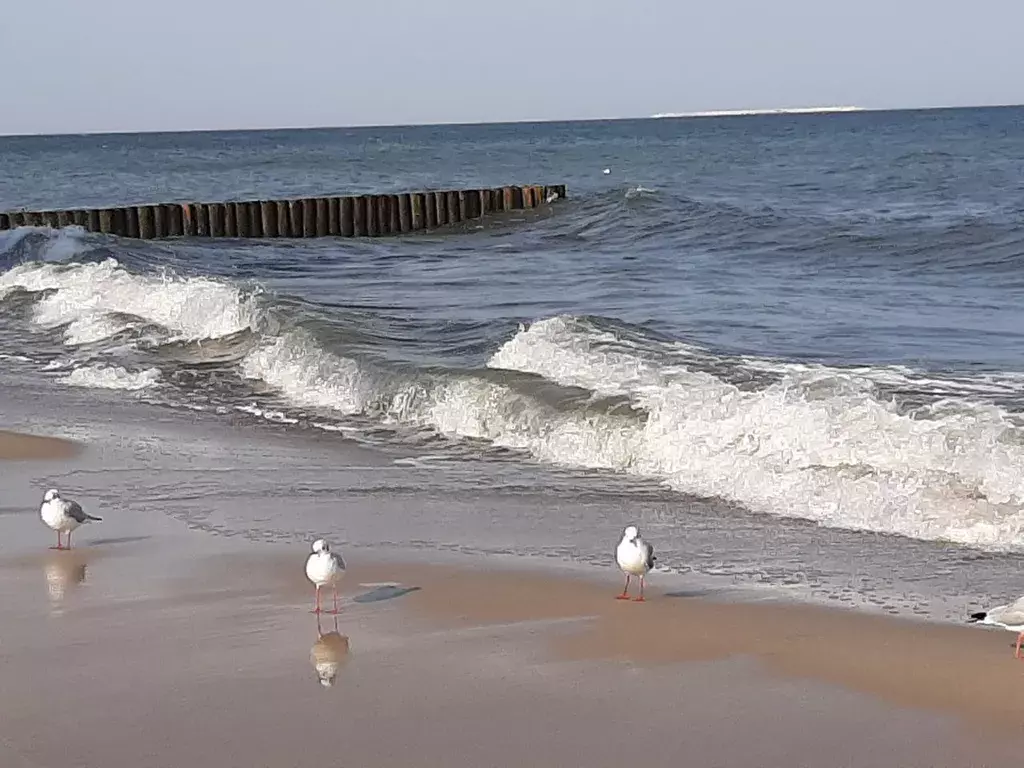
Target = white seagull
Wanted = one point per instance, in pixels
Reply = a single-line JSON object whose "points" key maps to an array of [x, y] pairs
{"points": [[324, 568], [63, 515], [635, 557], [1009, 617]]}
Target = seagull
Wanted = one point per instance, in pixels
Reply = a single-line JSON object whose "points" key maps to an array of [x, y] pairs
{"points": [[324, 568], [63, 515], [1009, 617], [635, 557]]}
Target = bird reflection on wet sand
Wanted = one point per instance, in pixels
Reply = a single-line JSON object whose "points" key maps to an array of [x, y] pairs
{"points": [[64, 572], [329, 653]]}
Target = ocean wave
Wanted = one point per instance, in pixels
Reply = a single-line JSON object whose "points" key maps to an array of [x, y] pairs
{"points": [[888, 448], [92, 301], [112, 377], [818, 443]]}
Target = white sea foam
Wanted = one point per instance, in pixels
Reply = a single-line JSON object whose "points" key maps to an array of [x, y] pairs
{"points": [[819, 443], [112, 377], [96, 300]]}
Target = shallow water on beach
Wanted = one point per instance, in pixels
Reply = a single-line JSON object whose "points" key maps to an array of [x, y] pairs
{"points": [[790, 347]]}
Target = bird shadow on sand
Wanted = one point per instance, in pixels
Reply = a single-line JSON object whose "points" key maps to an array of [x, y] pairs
{"points": [[386, 592], [115, 540], [691, 593]]}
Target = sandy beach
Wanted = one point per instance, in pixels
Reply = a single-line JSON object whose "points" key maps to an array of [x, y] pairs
{"points": [[150, 645]]}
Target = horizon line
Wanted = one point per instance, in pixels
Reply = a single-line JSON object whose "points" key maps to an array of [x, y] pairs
{"points": [[660, 116]]}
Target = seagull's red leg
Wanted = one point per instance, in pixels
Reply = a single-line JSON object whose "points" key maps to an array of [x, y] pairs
{"points": [[625, 590], [1020, 638], [59, 542], [317, 609], [641, 598], [69, 540], [335, 589]]}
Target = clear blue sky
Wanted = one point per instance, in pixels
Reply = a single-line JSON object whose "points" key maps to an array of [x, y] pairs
{"points": [[126, 65]]}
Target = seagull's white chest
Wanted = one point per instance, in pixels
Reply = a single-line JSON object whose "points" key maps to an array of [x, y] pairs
{"points": [[53, 515], [630, 558], [324, 568]]}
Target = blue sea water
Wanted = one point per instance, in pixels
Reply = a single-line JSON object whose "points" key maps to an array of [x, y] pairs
{"points": [[798, 326]]}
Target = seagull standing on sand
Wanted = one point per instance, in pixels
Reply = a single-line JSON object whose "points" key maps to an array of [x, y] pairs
{"points": [[1009, 617], [635, 557], [324, 568], [63, 515]]}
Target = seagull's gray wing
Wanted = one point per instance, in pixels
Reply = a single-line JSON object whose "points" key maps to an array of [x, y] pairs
{"points": [[649, 557], [74, 510]]}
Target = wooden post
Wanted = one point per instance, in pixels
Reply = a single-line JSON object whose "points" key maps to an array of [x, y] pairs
{"points": [[144, 215], [284, 222], [230, 221], [189, 226], [416, 213], [472, 199], [202, 211], [295, 218], [463, 206], [394, 215], [348, 212], [373, 221], [33, 219], [50, 219], [217, 220], [242, 223], [106, 221], [309, 217], [268, 217], [5, 222], [255, 215], [321, 217], [383, 206], [333, 216], [430, 208], [175, 221], [451, 200], [131, 221], [441, 204], [17, 219], [159, 221], [80, 218], [404, 212], [359, 216]]}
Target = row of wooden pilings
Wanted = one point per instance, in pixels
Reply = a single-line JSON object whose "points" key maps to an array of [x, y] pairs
{"points": [[349, 216]]}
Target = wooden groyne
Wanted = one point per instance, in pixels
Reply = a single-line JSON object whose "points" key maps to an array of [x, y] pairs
{"points": [[349, 216]]}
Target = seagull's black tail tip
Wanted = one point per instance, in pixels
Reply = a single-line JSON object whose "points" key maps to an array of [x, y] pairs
{"points": [[977, 617]]}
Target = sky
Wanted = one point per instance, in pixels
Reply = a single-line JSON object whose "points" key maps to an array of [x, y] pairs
{"points": [[77, 66]]}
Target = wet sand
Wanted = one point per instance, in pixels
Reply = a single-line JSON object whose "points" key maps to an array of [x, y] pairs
{"points": [[16, 446], [171, 651], [158, 644]]}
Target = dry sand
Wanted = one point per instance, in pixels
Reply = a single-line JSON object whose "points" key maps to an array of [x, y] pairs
{"points": [[175, 648]]}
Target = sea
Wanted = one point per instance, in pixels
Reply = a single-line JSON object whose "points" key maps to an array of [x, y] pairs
{"points": [[789, 347]]}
